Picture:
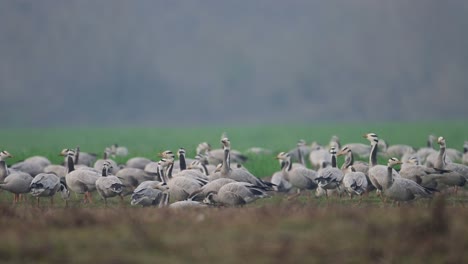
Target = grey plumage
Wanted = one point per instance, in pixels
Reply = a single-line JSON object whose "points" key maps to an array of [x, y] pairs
{"points": [[235, 194], [401, 189], [299, 177]]}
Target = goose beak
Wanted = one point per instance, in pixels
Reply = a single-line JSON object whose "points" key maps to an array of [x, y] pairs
{"points": [[11, 156], [364, 136], [159, 154], [339, 153]]}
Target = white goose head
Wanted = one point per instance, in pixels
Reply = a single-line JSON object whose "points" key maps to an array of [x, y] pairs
{"points": [[392, 162], [441, 142], [226, 143], [372, 137], [343, 151], [5, 155]]}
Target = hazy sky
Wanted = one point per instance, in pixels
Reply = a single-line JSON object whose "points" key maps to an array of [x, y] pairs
{"points": [[117, 62]]}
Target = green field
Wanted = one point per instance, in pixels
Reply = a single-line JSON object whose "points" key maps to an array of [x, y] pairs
{"points": [[147, 142], [271, 230]]}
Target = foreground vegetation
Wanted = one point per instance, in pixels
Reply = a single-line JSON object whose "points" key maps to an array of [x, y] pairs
{"points": [[272, 230]]}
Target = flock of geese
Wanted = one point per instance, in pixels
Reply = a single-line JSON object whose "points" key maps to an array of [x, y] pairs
{"points": [[216, 177]]}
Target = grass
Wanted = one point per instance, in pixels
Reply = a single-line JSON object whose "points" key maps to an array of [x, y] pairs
{"points": [[147, 142], [273, 230]]}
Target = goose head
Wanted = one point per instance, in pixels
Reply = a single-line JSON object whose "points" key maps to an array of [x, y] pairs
{"points": [[210, 198], [413, 160], [203, 147], [167, 154], [343, 151], [283, 156], [226, 143], [181, 151], [392, 162], [333, 151], [372, 137], [441, 142], [5, 155]]}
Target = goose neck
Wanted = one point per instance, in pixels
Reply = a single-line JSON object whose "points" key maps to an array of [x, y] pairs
{"points": [[70, 164], [373, 154]]}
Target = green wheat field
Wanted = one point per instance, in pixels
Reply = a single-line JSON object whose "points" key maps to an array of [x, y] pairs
{"points": [[271, 230]]}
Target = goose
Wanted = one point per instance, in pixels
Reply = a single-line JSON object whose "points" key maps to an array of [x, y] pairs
{"points": [[280, 183], [334, 142], [349, 160], [32, 165], [203, 159], [185, 172], [197, 165], [116, 150], [58, 170], [114, 168], [465, 153], [355, 182], [235, 194], [16, 182], [132, 177], [441, 163], [189, 203], [430, 177], [47, 185], [377, 173], [137, 163], [401, 189], [4, 155], [399, 150], [82, 158], [259, 151], [215, 156], [212, 186], [319, 157], [82, 180], [237, 174], [108, 185], [361, 150], [298, 154], [450, 155], [331, 177], [423, 153], [299, 177], [149, 193], [180, 188]]}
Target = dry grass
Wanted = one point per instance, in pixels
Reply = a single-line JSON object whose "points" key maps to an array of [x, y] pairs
{"points": [[274, 230]]}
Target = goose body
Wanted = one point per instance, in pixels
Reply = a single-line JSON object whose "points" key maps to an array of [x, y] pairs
{"points": [[377, 173], [465, 153], [401, 189], [362, 150], [17, 182], [441, 163], [319, 158], [355, 182], [47, 185], [108, 185], [58, 170], [137, 163], [80, 181], [148, 193], [132, 177], [235, 194], [237, 174], [331, 177], [299, 177]]}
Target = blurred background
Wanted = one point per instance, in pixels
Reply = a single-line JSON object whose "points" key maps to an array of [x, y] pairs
{"points": [[149, 63]]}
